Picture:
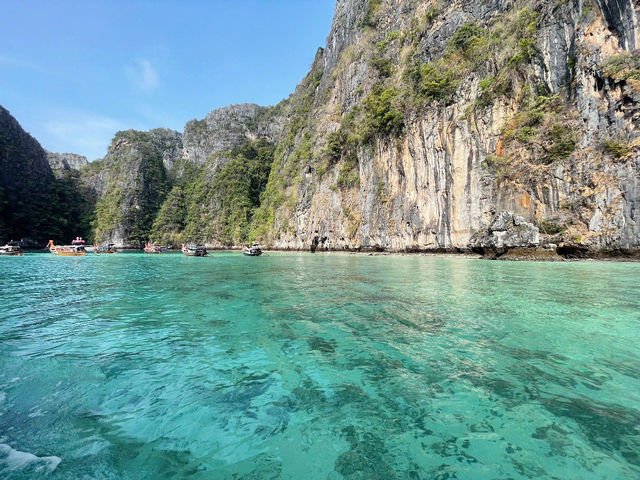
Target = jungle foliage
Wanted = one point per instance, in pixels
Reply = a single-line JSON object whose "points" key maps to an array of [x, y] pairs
{"points": [[216, 203]]}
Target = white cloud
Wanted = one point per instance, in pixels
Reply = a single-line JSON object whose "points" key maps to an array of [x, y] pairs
{"points": [[142, 75], [80, 132]]}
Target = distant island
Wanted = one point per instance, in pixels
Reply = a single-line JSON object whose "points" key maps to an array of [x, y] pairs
{"points": [[420, 127]]}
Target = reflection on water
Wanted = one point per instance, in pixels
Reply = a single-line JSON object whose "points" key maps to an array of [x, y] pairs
{"points": [[327, 366]]}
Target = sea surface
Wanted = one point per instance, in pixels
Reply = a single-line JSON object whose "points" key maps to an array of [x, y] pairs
{"points": [[300, 366]]}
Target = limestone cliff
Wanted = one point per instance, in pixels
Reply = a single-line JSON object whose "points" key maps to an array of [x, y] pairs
{"points": [[428, 118], [226, 128], [64, 163], [165, 186], [35, 204], [130, 183], [421, 125]]}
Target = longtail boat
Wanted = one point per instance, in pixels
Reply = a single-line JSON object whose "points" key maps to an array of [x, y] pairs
{"points": [[109, 248], [76, 249], [154, 248], [11, 249], [194, 250], [253, 251]]}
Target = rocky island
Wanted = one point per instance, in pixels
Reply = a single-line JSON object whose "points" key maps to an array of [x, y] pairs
{"points": [[485, 126]]}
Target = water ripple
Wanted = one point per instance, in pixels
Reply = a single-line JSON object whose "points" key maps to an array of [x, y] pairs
{"points": [[328, 366]]}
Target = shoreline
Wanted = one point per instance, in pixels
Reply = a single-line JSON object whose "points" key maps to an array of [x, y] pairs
{"points": [[519, 254], [516, 254], [522, 254]]}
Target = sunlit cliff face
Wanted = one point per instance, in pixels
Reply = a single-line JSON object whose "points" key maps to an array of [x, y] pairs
{"points": [[426, 119]]}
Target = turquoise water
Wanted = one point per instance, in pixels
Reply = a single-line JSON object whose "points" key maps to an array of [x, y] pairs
{"points": [[297, 366]]}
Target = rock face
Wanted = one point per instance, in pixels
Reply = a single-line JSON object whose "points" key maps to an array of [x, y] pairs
{"points": [[35, 205], [227, 128], [131, 183], [26, 183], [543, 123], [507, 230], [62, 163], [141, 168]]}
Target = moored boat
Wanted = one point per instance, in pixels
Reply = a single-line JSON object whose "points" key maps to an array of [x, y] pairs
{"points": [[11, 249], [252, 251], [154, 248], [76, 249], [109, 248], [192, 250]]}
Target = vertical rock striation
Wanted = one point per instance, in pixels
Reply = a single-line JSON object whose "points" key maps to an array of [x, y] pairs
{"points": [[226, 128], [528, 107]]}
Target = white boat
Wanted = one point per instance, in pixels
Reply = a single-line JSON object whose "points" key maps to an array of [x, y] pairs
{"points": [[253, 251], [108, 248], [192, 250], [11, 249]]}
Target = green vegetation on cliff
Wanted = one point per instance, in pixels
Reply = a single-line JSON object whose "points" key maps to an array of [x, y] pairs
{"points": [[496, 52], [222, 207], [543, 134], [170, 221], [216, 203], [623, 67], [292, 154], [35, 205], [619, 148], [373, 7], [136, 187]]}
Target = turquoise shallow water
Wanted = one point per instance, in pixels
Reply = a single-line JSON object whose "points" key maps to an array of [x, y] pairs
{"points": [[297, 366]]}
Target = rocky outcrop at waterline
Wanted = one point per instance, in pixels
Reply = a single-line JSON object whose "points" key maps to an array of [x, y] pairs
{"points": [[506, 231], [417, 126]]}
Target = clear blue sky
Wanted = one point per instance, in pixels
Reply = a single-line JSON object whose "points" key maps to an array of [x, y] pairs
{"points": [[75, 72]]}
